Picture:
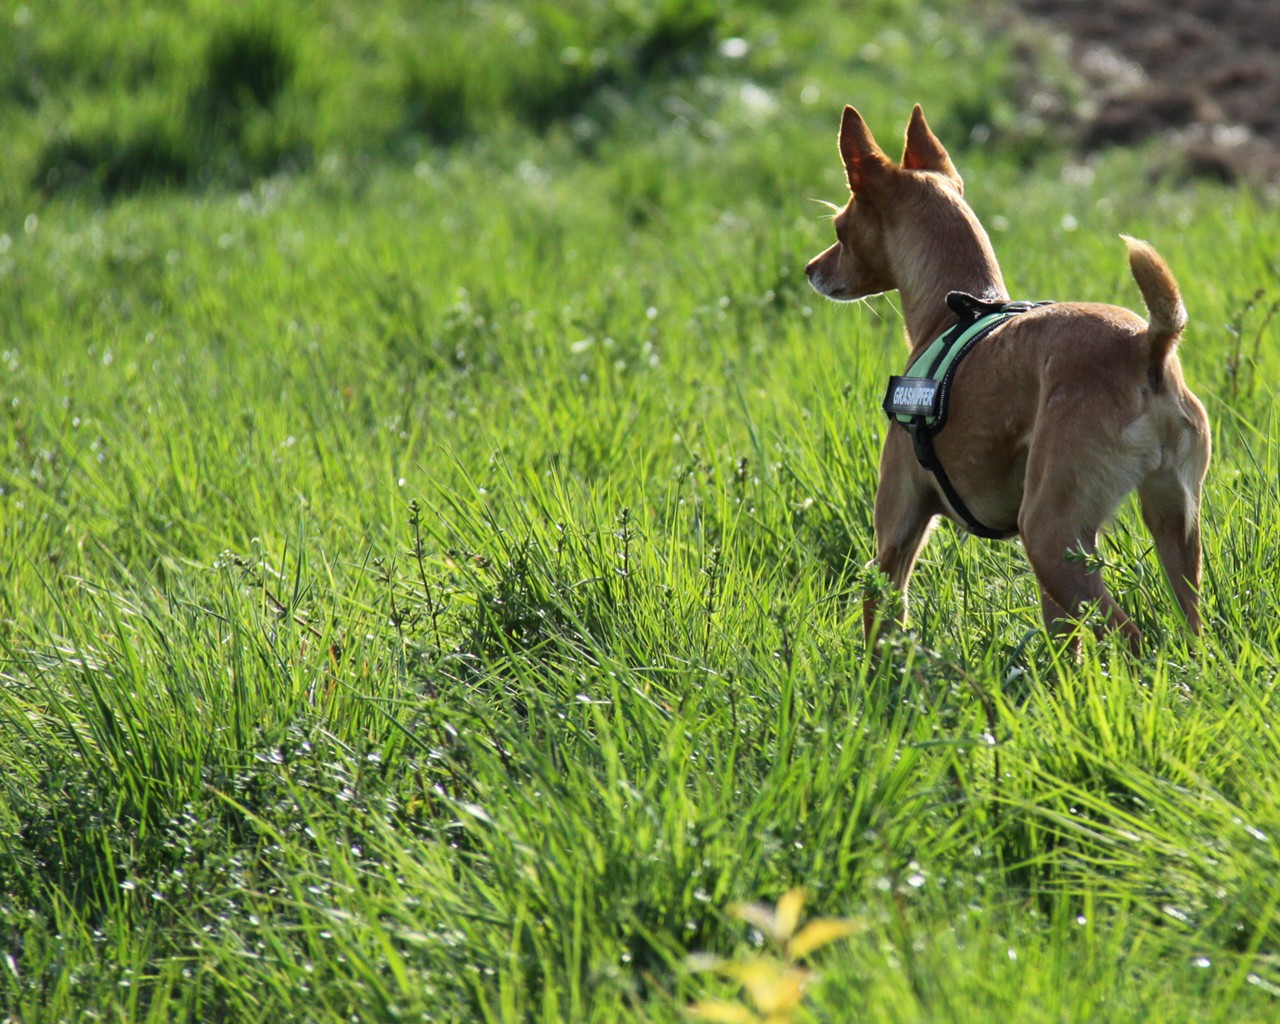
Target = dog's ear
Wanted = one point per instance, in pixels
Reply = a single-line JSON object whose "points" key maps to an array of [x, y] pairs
{"points": [[865, 163], [923, 151]]}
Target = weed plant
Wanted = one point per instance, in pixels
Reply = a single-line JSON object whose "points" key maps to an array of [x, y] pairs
{"points": [[429, 564]]}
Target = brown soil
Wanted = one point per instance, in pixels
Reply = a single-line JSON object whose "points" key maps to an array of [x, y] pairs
{"points": [[1202, 74]]}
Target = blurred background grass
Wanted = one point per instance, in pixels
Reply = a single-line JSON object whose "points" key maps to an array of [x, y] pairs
{"points": [[108, 99]]}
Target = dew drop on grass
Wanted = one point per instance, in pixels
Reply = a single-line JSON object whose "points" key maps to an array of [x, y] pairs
{"points": [[1262, 983], [1257, 834]]}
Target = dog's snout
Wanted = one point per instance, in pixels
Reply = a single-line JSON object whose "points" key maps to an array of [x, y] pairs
{"points": [[813, 269]]}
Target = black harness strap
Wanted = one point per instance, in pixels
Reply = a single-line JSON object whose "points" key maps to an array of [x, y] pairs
{"points": [[928, 458], [919, 400]]}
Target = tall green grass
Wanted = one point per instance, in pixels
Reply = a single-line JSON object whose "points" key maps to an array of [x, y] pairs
{"points": [[428, 569]]}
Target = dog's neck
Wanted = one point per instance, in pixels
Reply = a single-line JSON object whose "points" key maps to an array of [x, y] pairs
{"points": [[946, 252]]}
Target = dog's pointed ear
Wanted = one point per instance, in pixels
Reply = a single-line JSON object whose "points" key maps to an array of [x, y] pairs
{"points": [[865, 163], [923, 151]]}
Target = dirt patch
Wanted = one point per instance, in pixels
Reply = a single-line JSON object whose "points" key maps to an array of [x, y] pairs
{"points": [[1203, 74]]}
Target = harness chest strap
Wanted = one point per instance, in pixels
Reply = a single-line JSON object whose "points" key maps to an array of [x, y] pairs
{"points": [[919, 400]]}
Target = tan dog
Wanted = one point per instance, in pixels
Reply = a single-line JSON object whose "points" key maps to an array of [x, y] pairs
{"points": [[1055, 416]]}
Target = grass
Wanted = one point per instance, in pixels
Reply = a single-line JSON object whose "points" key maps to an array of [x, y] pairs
{"points": [[427, 562]]}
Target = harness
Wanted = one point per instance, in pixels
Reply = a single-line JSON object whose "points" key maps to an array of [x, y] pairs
{"points": [[918, 400]]}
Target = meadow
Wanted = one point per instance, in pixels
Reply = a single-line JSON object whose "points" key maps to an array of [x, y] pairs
{"points": [[432, 516]]}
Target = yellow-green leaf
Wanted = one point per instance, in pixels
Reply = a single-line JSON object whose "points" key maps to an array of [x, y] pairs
{"points": [[819, 932], [772, 986], [786, 995], [788, 913]]}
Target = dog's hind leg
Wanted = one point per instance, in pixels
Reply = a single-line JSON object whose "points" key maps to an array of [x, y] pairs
{"points": [[1170, 508], [1071, 489], [1068, 584], [1067, 499], [1058, 623]]}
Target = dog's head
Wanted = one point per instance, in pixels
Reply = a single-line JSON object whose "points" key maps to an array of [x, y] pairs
{"points": [[861, 262]]}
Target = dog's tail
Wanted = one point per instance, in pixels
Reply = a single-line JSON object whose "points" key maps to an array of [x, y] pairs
{"points": [[1166, 314]]}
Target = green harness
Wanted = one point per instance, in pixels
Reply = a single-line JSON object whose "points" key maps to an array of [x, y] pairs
{"points": [[918, 400]]}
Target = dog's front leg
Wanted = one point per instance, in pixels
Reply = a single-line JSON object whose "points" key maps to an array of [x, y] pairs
{"points": [[905, 509]]}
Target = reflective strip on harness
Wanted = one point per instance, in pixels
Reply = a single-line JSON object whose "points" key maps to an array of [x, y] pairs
{"points": [[925, 388]]}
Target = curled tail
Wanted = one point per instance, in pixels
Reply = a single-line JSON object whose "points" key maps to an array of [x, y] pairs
{"points": [[1166, 314]]}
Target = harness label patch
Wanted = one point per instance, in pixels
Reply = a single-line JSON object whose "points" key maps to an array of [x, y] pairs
{"points": [[911, 396]]}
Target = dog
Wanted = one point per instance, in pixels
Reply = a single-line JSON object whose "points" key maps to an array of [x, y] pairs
{"points": [[1053, 417]]}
